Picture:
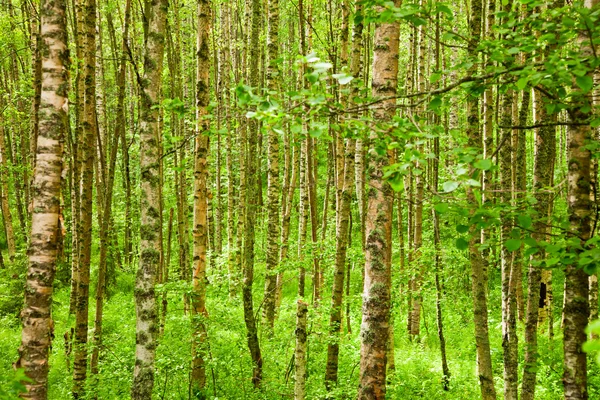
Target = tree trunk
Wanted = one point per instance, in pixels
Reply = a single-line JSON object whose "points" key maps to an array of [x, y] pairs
{"points": [[342, 230], [536, 294], [108, 193], [6, 215], [509, 286], [251, 203], [37, 323], [378, 221], [88, 153], [145, 298], [273, 228], [200, 227], [478, 274]]}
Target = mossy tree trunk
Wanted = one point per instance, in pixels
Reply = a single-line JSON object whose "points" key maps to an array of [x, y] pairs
{"points": [[145, 297], [200, 226], [378, 221], [88, 151], [36, 319], [478, 272], [273, 193]]}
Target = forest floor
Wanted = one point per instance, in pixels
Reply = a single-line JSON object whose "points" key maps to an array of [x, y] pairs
{"points": [[418, 367]]}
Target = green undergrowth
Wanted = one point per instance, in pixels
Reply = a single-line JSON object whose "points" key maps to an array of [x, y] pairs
{"points": [[418, 373]]}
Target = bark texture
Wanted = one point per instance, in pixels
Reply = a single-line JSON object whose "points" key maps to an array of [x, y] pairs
{"points": [[478, 273], [36, 317], [145, 297], [200, 227], [273, 225], [378, 221], [251, 204]]}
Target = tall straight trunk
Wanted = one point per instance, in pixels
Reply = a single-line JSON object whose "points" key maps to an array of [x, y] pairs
{"points": [[76, 152], [415, 285], [145, 297], [343, 211], [342, 231], [520, 191], [107, 200], [576, 304], [542, 180], [378, 221], [291, 164], [36, 63], [228, 55], [360, 154], [88, 153], [509, 332], [273, 193], [312, 202], [200, 226], [6, 214], [488, 135], [303, 170], [478, 273], [165, 275], [251, 203], [436, 233], [579, 208], [37, 323]]}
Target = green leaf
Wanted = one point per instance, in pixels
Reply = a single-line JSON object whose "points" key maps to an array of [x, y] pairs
{"points": [[513, 244], [524, 221], [445, 9], [322, 66], [450, 186], [343, 79], [396, 181], [462, 228], [585, 83], [522, 83], [595, 123], [461, 244], [593, 327], [484, 164], [529, 241], [435, 104], [441, 208]]}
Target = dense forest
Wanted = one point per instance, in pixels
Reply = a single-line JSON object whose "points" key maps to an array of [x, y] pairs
{"points": [[307, 199]]}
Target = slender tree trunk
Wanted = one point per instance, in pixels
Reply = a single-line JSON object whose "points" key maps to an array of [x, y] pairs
{"points": [[576, 302], [251, 203], [342, 231], [37, 323], [145, 298], [378, 221], [76, 150], [509, 332], [200, 227], [436, 234], [536, 291], [273, 228], [312, 201], [478, 275], [6, 214], [88, 152], [108, 194]]}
